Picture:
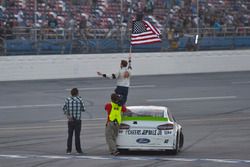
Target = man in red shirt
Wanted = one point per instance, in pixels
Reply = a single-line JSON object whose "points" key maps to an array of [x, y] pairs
{"points": [[114, 112]]}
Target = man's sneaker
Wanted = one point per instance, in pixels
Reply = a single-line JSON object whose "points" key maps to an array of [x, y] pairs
{"points": [[68, 152], [116, 153], [79, 152]]}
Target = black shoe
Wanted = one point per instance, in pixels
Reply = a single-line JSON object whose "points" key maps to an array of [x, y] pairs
{"points": [[68, 152]]}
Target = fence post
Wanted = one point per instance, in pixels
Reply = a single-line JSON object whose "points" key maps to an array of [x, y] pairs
{"points": [[2, 47]]}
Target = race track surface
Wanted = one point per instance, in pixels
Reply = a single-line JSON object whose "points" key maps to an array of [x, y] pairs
{"points": [[214, 110]]}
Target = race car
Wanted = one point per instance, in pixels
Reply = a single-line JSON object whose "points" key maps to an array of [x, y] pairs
{"points": [[149, 128]]}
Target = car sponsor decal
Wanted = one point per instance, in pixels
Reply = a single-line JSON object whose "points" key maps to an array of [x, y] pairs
{"points": [[166, 141], [143, 140], [144, 132], [145, 118], [167, 132]]}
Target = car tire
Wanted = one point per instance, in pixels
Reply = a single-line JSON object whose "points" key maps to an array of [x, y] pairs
{"points": [[181, 140]]}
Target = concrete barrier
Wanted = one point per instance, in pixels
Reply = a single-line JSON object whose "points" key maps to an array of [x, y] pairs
{"points": [[80, 66]]}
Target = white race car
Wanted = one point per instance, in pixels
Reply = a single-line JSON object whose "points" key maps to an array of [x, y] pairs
{"points": [[149, 128]]}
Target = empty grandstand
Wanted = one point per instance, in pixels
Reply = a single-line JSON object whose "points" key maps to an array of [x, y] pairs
{"points": [[97, 26]]}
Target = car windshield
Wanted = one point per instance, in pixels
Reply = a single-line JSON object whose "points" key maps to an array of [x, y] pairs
{"points": [[145, 113]]}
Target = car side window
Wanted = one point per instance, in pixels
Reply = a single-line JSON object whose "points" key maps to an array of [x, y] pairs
{"points": [[170, 116], [144, 113]]}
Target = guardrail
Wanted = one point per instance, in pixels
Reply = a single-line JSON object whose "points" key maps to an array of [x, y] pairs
{"points": [[86, 65]]}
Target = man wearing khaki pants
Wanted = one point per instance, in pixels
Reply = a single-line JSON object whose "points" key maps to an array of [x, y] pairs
{"points": [[114, 110]]}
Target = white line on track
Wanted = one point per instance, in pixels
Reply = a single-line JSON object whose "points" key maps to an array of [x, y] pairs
{"points": [[84, 126], [242, 82], [119, 158], [91, 119], [193, 99], [30, 106], [148, 100], [101, 125], [143, 86], [107, 88], [201, 120], [59, 105]]}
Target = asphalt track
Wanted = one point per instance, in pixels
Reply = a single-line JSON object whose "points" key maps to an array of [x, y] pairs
{"points": [[213, 109]]}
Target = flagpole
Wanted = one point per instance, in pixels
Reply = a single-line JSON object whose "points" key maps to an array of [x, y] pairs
{"points": [[129, 57], [130, 50]]}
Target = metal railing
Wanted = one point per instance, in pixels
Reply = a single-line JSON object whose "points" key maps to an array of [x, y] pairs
{"points": [[224, 31], [61, 33], [114, 33], [44, 40], [2, 46]]}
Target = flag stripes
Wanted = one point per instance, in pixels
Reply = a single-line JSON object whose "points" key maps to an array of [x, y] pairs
{"points": [[144, 33]]}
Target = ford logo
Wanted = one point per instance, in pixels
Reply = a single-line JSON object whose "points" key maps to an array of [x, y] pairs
{"points": [[142, 140]]}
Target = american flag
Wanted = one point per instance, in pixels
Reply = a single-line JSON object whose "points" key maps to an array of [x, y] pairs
{"points": [[144, 33]]}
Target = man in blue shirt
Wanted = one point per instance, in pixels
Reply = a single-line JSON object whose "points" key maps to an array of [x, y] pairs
{"points": [[73, 109]]}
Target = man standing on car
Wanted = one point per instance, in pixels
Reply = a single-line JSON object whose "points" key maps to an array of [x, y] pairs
{"points": [[73, 108], [123, 80], [114, 110]]}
